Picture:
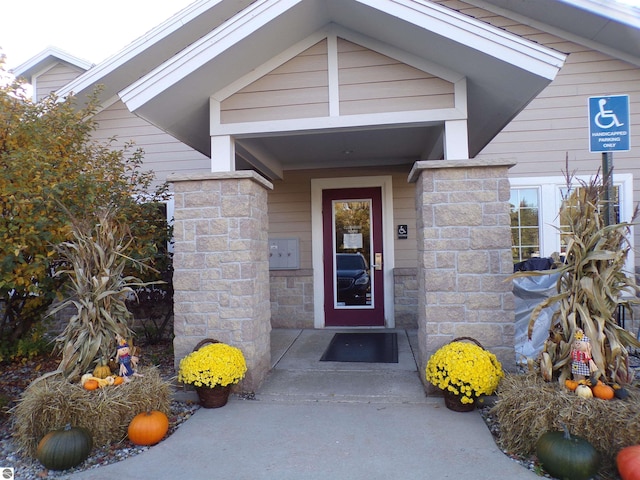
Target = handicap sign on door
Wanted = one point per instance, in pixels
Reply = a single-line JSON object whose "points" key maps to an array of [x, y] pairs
{"points": [[609, 124]]}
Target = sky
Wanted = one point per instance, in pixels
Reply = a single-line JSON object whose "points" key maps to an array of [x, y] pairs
{"points": [[88, 29]]}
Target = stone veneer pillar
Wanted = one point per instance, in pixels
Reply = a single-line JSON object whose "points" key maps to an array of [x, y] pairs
{"points": [[221, 266], [464, 256]]}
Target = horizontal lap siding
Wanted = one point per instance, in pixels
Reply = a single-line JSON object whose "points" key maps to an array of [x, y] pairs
{"points": [[55, 78], [290, 209], [298, 88], [163, 153], [374, 83], [555, 124]]}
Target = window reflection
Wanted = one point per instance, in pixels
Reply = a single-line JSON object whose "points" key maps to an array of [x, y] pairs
{"points": [[352, 252]]}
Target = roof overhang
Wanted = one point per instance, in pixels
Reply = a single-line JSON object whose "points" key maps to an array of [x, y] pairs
{"points": [[606, 25], [156, 46], [168, 76]]}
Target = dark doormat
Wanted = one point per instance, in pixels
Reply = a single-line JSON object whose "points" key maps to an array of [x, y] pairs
{"points": [[362, 347]]}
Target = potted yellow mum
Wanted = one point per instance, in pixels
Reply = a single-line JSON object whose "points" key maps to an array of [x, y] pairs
{"points": [[464, 371], [212, 369]]}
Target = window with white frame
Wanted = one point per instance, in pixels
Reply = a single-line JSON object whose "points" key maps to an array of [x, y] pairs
{"points": [[535, 207], [564, 221], [525, 223]]}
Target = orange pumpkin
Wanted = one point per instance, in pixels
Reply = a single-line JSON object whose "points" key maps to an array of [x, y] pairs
{"points": [[628, 463], [118, 381], [90, 385], [603, 391], [148, 428], [571, 384]]}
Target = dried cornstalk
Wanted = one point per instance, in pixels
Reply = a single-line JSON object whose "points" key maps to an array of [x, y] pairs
{"points": [[590, 288]]}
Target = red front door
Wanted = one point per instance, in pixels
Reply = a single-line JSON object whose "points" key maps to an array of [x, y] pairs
{"points": [[352, 257]]}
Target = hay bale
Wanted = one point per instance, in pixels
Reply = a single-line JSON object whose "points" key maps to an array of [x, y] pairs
{"points": [[527, 407], [54, 402]]}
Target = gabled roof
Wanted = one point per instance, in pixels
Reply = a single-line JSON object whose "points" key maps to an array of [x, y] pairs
{"points": [[503, 71], [167, 75], [47, 58]]}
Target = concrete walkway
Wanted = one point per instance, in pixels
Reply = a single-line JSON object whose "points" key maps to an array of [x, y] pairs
{"points": [[322, 420]]}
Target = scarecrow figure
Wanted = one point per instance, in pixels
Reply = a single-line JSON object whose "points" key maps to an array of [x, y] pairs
{"points": [[128, 363], [582, 364]]}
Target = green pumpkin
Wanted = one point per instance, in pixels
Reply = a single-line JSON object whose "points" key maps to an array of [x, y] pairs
{"points": [[567, 456], [65, 448]]}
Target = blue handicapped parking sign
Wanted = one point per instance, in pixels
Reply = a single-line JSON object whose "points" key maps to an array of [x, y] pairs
{"points": [[609, 124]]}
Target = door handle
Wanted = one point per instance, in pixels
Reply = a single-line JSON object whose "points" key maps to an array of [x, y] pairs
{"points": [[378, 261]]}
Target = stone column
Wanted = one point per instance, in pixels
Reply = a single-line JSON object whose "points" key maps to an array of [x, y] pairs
{"points": [[221, 266], [464, 256]]}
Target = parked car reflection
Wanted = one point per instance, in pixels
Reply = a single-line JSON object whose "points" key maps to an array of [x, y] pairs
{"points": [[353, 281]]}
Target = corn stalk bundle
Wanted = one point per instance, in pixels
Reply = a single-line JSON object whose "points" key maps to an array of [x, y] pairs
{"points": [[590, 289], [94, 261]]}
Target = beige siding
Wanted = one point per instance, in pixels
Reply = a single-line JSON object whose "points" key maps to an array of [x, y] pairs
{"points": [[298, 88], [555, 124], [368, 83], [374, 83], [163, 153], [290, 209], [55, 78]]}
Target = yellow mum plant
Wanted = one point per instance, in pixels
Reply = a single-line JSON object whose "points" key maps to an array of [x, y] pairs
{"points": [[211, 365], [465, 370]]}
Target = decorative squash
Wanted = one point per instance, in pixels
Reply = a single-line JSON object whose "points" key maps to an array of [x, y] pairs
{"points": [[603, 391], [628, 463], [567, 456], [571, 384], [584, 391], [148, 428], [118, 380], [102, 370], [90, 384], [65, 448], [620, 392]]}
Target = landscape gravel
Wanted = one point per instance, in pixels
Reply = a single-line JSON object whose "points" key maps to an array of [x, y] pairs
{"points": [[13, 380], [27, 468]]}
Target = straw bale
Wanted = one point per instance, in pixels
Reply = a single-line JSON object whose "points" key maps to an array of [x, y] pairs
{"points": [[527, 407], [55, 402]]}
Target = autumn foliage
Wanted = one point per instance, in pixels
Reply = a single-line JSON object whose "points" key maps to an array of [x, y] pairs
{"points": [[50, 169]]}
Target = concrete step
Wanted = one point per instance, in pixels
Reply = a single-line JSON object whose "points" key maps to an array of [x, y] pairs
{"points": [[366, 386]]}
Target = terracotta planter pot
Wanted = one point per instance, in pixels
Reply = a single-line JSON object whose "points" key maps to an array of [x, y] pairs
{"points": [[452, 402], [213, 397]]}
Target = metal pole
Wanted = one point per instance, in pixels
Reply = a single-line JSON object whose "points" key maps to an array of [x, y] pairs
{"points": [[607, 181]]}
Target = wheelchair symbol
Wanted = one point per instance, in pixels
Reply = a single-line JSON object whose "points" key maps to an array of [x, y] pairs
{"points": [[606, 118]]}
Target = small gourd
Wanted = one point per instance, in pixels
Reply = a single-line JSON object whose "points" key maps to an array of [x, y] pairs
{"points": [[148, 428], [628, 463], [65, 448], [102, 370], [584, 391], [90, 384], [603, 391], [118, 380], [567, 456]]}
